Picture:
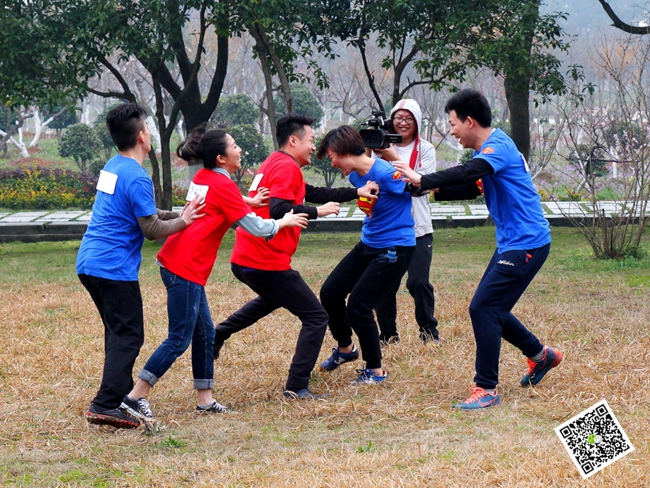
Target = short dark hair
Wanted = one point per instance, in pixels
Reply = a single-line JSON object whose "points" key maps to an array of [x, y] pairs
{"points": [[125, 122], [470, 103], [203, 146], [290, 125], [343, 140]]}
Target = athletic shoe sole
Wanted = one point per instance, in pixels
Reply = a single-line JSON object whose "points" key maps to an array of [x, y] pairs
{"points": [[102, 419]]}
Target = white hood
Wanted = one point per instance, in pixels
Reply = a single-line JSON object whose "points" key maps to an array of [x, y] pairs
{"points": [[413, 107]]}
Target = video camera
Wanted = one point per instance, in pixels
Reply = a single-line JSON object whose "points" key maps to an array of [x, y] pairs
{"points": [[380, 134]]}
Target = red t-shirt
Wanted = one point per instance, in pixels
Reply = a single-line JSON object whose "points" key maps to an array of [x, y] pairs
{"points": [[192, 252], [281, 174]]}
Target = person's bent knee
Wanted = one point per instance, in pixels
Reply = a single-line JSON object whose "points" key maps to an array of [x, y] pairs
{"points": [[359, 310], [319, 319], [478, 310], [413, 285]]}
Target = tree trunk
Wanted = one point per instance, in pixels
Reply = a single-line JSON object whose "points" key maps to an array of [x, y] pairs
{"points": [[517, 93], [155, 176], [155, 134], [517, 82], [38, 128], [166, 172], [270, 103], [267, 55]]}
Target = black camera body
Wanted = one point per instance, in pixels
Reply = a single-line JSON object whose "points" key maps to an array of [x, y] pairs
{"points": [[380, 133]]}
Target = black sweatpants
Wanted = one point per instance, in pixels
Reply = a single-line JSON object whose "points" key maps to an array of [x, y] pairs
{"points": [[120, 306], [281, 289], [506, 278], [367, 274], [421, 290]]}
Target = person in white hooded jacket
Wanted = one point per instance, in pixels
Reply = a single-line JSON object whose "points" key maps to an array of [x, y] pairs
{"points": [[421, 156]]}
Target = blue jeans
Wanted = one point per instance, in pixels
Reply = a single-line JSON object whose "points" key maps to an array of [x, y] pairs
{"points": [[189, 321], [504, 281]]}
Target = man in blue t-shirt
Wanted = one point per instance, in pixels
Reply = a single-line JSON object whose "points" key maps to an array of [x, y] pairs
{"points": [[499, 172], [124, 213]]}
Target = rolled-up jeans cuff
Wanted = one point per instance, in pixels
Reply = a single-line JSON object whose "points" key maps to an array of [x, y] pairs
{"points": [[203, 384], [148, 377]]}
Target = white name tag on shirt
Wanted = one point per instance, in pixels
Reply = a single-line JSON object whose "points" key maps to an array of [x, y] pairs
{"points": [[256, 182], [106, 182], [197, 190]]}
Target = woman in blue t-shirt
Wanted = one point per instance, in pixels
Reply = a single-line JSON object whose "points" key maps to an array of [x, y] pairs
{"points": [[375, 264]]}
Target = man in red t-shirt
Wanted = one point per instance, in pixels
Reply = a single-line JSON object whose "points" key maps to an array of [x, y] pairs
{"points": [[265, 266]]}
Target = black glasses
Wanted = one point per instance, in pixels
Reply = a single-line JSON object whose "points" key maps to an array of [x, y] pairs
{"points": [[406, 120]]}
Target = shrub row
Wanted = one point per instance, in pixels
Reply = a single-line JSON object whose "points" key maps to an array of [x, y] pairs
{"points": [[37, 187]]}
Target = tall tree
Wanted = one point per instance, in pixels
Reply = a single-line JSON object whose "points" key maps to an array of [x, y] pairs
{"points": [[167, 37], [438, 44], [33, 70], [421, 39], [285, 32], [519, 47]]}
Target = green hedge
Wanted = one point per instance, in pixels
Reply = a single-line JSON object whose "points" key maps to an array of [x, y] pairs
{"points": [[37, 187]]}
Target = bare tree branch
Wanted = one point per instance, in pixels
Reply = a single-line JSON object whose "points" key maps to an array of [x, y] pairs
{"points": [[619, 24]]}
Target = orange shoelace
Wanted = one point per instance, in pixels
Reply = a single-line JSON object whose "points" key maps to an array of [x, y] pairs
{"points": [[477, 393], [531, 366]]}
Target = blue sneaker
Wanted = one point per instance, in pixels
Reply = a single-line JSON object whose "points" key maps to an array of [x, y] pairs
{"points": [[537, 370], [368, 377], [338, 358], [304, 394], [479, 399]]}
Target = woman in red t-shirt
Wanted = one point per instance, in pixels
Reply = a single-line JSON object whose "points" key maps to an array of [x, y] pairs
{"points": [[186, 260]]}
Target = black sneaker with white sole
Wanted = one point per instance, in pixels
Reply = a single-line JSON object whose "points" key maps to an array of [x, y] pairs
{"points": [[214, 407], [139, 408]]}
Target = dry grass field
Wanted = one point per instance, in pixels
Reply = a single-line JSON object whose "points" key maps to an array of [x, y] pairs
{"points": [[403, 434]]}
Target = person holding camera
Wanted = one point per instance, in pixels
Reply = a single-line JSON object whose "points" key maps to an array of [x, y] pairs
{"points": [[109, 258], [265, 266], [377, 262], [420, 155], [499, 172]]}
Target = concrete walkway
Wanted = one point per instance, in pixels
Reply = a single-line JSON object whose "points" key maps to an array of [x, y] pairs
{"points": [[50, 225]]}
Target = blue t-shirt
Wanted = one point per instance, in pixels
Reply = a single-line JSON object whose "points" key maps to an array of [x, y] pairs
{"points": [[111, 246], [391, 223], [511, 198]]}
